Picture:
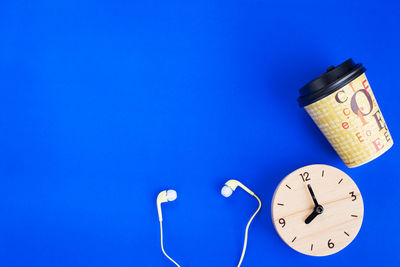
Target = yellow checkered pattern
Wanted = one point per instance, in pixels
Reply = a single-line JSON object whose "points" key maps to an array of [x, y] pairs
{"points": [[358, 135]]}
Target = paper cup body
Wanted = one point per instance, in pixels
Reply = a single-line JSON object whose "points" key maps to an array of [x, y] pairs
{"points": [[352, 122]]}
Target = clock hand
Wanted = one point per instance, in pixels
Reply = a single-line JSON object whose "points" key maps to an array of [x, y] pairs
{"points": [[311, 217], [312, 195], [317, 211]]}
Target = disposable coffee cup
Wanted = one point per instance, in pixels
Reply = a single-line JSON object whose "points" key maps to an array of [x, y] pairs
{"points": [[342, 104]]}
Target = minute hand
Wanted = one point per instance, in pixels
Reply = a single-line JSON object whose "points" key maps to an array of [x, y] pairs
{"points": [[312, 195]]}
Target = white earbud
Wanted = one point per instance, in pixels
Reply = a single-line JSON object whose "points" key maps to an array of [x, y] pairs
{"points": [[171, 195], [231, 186], [226, 191], [165, 196]]}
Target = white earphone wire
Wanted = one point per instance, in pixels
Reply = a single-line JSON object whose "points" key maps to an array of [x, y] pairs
{"points": [[162, 246], [247, 231]]}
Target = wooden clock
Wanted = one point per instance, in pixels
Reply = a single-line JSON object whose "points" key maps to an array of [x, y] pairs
{"points": [[317, 210]]}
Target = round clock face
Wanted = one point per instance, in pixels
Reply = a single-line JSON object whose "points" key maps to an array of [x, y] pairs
{"points": [[317, 210]]}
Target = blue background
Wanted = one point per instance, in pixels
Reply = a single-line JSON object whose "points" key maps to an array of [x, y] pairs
{"points": [[106, 103]]}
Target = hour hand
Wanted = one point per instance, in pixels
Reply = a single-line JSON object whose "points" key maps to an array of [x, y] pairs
{"points": [[311, 216], [317, 211]]}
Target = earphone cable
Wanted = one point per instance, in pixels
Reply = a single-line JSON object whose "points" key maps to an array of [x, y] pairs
{"points": [[247, 230], [162, 246]]}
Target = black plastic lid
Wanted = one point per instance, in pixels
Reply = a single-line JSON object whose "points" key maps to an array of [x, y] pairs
{"points": [[332, 80]]}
